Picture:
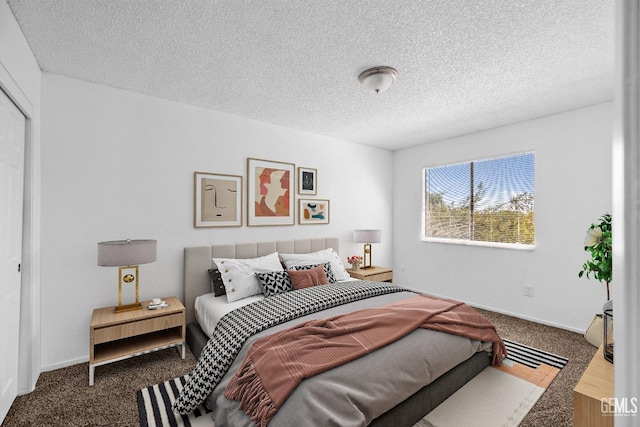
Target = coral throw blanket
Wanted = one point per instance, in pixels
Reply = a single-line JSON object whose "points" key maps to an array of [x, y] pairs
{"points": [[276, 364]]}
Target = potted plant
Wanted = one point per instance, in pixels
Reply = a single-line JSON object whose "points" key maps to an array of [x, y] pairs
{"points": [[355, 261], [598, 243]]}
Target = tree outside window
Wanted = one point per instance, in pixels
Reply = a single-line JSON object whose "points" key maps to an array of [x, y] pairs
{"points": [[490, 200]]}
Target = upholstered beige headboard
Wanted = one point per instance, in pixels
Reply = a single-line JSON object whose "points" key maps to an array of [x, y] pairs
{"points": [[197, 261]]}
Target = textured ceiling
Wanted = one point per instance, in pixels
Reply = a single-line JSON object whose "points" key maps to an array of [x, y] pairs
{"points": [[463, 66]]}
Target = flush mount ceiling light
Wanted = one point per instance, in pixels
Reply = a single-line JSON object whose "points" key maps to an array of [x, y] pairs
{"points": [[378, 79]]}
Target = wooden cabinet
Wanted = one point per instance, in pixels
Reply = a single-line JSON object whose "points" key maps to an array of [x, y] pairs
{"points": [[596, 384], [375, 274], [118, 336]]}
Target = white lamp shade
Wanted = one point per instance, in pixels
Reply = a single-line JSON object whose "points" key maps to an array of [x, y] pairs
{"points": [[118, 253], [367, 236]]}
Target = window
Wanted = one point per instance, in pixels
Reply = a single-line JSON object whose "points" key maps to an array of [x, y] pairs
{"points": [[487, 201]]}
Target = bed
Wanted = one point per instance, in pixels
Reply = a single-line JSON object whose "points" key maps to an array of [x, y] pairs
{"points": [[392, 397]]}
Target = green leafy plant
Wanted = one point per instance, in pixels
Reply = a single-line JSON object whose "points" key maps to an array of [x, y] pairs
{"points": [[598, 244]]}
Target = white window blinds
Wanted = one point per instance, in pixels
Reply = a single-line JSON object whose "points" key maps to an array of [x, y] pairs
{"points": [[489, 200]]}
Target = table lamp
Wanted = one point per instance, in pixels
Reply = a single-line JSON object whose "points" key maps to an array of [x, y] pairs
{"points": [[367, 237], [127, 255]]}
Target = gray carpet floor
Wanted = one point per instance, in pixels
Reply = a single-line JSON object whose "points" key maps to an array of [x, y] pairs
{"points": [[63, 397]]}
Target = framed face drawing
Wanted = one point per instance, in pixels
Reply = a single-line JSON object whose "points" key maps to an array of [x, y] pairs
{"points": [[270, 191], [218, 200]]}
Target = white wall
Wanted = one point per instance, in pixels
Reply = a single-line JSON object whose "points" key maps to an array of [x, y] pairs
{"points": [[572, 190], [118, 165], [20, 79]]}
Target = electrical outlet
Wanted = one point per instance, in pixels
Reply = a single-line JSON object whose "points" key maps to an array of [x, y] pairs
{"points": [[528, 291]]}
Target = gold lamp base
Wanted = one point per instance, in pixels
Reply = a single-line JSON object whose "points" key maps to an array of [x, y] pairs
{"points": [[127, 278], [367, 256], [127, 307]]}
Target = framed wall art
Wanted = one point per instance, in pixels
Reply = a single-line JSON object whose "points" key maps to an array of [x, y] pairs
{"points": [[313, 211], [270, 190], [307, 181], [218, 200]]}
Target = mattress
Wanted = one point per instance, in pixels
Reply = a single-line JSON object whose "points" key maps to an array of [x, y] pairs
{"points": [[210, 309]]}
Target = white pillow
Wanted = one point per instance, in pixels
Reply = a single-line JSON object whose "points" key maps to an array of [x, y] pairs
{"points": [[320, 257], [239, 276]]}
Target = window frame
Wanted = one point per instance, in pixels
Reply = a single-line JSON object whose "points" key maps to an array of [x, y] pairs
{"points": [[468, 242]]}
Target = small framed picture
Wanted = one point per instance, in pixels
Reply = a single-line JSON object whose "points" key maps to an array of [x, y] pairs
{"points": [[307, 181], [270, 191], [313, 211], [218, 200]]}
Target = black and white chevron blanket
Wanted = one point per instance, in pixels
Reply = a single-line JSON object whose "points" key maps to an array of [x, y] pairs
{"points": [[236, 327]]}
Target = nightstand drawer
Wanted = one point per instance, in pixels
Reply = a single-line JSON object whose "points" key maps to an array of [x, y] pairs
{"points": [[383, 277], [374, 274], [131, 329]]}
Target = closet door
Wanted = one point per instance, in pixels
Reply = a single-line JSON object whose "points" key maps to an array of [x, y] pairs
{"points": [[12, 142]]}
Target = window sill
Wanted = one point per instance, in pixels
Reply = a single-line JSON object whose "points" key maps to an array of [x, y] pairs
{"points": [[515, 246]]}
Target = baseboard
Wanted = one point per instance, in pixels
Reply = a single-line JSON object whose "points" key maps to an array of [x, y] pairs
{"points": [[508, 313], [53, 368], [531, 319], [32, 387], [65, 364]]}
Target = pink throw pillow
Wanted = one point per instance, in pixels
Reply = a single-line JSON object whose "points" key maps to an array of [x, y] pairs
{"points": [[306, 278]]}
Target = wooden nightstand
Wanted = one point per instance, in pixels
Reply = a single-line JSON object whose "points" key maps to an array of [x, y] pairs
{"points": [[596, 384], [375, 274], [119, 336]]}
